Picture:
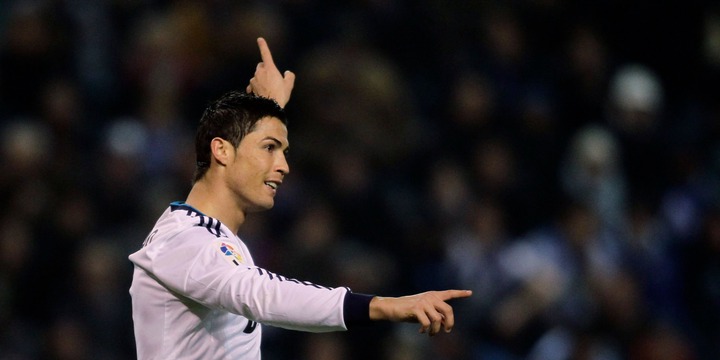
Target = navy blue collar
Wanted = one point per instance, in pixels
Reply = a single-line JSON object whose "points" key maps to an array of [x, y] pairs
{"points": [[181, 205]]}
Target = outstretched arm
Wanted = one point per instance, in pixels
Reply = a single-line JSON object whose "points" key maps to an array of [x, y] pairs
{"points": [[430, 309], [268, 82]]}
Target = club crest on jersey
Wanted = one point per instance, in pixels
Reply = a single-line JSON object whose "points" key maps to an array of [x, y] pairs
{"points": [[230, 253]]}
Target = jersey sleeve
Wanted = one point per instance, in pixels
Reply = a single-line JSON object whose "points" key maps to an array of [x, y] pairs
{"points": [[218, 277]]}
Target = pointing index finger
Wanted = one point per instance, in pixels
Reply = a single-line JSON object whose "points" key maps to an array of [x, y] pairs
{"points": [[265, 53], [453, 294]]}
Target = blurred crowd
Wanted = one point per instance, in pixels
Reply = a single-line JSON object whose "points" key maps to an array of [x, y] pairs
{"points": [[559, 158]]}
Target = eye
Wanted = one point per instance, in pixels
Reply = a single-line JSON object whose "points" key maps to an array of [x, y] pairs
{"points": [[269, 147]]}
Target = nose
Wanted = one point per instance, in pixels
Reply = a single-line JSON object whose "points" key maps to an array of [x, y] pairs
{"points": [[283, 167]]}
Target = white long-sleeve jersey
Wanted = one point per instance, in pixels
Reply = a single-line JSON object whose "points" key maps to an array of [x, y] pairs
{"points": [[196, 294]]}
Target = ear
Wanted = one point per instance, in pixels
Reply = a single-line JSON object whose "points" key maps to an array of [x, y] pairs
{"points": [[221, 150]]}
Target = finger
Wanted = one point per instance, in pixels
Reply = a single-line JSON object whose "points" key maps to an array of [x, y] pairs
{"points": [[289, 77], [435, 323], [453, 294], [248, 89], [424, 321], [448, 316], [265, 53]]}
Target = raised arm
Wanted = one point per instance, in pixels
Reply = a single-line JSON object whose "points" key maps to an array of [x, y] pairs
{"points": [[268, 81], [430, 309]]}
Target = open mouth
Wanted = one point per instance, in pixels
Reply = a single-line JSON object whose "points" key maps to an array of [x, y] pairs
{"points": [[272, 185]]}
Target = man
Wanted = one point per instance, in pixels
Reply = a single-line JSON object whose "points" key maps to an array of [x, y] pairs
{"points": [[196, 293]]}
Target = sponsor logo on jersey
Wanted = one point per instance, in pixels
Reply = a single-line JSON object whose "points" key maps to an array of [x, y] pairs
{"points": [[230, 253]]}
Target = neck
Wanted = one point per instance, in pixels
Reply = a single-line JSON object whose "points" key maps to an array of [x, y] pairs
{"points": [[214, 201]]}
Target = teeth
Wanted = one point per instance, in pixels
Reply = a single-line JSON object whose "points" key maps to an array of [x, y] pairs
{"points": [[272, 185]]}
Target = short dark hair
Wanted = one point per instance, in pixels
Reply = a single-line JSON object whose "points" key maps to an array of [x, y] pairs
{"points": [[231, 117]]}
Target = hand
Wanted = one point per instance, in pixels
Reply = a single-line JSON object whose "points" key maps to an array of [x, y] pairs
{"points": [[268, 82], [430, 309]]}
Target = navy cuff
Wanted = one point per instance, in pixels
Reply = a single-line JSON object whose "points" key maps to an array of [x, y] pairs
{"points": [[356, 309]]}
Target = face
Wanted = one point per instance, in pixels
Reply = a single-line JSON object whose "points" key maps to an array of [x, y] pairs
{"points": [[257, 167]]}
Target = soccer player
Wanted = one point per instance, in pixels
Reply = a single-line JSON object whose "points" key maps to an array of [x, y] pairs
{"points": [[196, 293]]}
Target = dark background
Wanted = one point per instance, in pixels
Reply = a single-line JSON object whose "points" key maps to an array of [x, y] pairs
{"points": [[559, 158]]}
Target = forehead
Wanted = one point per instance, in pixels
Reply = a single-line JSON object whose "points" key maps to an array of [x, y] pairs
{"points": [[269, 127]]}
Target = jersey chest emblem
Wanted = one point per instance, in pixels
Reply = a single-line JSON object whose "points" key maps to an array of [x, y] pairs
{"points": [[230, 253]]}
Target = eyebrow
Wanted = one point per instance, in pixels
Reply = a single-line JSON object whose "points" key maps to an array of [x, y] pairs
{"points": [[278, 142]]}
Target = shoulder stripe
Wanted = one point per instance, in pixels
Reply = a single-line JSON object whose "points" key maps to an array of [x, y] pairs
{"points": [[217, 228], [212, 225]]}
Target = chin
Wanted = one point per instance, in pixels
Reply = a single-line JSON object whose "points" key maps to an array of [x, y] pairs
{"points": [[262, 207]]}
